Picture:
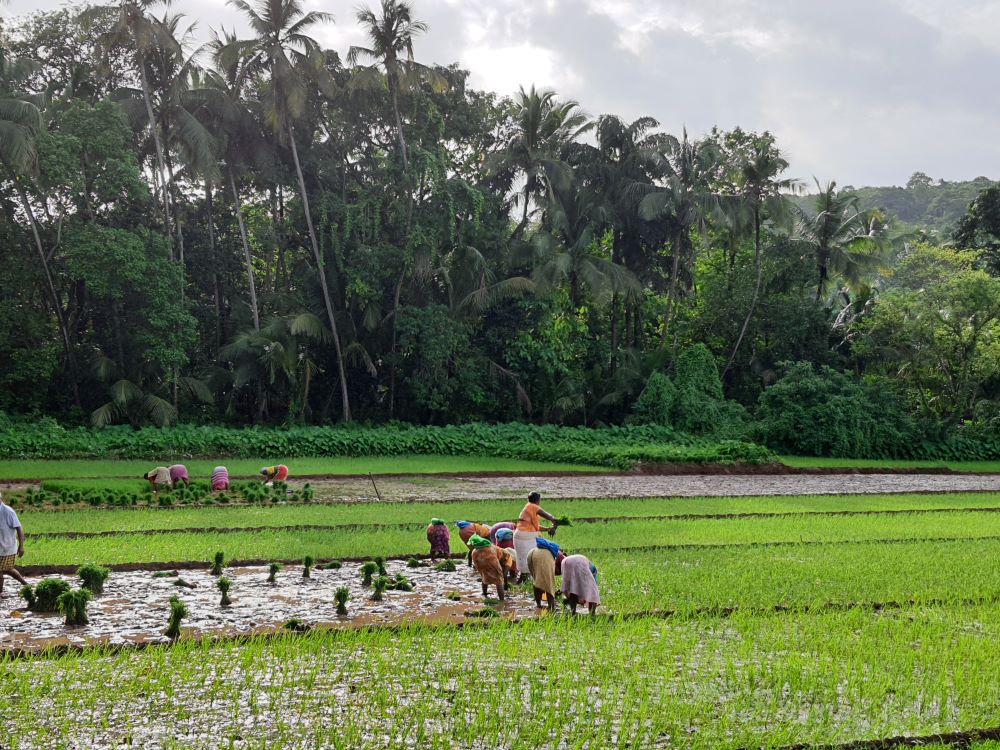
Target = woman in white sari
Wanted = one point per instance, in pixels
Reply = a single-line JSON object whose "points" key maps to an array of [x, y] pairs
{"points": [[527, 531]]}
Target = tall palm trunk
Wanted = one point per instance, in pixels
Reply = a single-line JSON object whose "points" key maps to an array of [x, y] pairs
{"points": [[156, 136], [399, 127], [759, 265], [238, 208], [216, 290], [344, 398], [671, 296], [56, 306]]}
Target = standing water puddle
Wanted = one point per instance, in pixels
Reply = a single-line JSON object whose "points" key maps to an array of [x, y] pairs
{"points": [[135, 606]]}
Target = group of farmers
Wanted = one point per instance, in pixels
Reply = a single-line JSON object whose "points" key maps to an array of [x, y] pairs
{"points": [[516, 550], [171, 476]]}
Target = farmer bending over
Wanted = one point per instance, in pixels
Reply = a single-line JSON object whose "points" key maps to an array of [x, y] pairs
{"points": [[272, 474], [11, 544], [158, 477], [179, 473]]}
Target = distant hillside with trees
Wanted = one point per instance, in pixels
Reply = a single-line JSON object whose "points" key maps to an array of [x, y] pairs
{"points": [[935, 206]]}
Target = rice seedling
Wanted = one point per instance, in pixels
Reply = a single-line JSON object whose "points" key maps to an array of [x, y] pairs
{"points": [[380, 562], [484, 612], [165, 574], [380, 585], [224, 584], [446, 566], [368, 570], [453, 596], [307, 565], [341, 596], [178, 611], [333, 565], [296, 625], [44, 596], [413, 562], [402, 583], [73, 604], [93, 577], [272, 572], [218, 564]]}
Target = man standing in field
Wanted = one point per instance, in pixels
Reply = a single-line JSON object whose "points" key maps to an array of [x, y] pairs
{"points": [[11, 543]]}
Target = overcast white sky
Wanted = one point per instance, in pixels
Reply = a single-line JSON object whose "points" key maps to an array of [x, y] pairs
{"points": [[862, 91]]}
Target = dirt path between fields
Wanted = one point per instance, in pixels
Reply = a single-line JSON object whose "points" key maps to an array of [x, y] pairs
{"points": [[416, 489]]}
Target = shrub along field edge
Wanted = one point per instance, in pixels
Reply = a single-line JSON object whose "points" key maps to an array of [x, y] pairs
{"points": [[611, 447]]}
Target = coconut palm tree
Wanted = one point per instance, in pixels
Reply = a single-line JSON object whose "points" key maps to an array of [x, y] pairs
{"points": [[544, 127], [129, 26], [391, 38], [763, 194], [292, 60], [20, 124], [843, 240], [564, 251], [683, 197]]}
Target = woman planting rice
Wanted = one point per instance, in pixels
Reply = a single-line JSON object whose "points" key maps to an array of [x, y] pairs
{"points": [[489, 563], [527, 529], [278, 473], [179, 473], [503, 526], [579, 582], [468, 529], [504, 540], [158, 477], [220, 479], [544, 564], [439, 535]]}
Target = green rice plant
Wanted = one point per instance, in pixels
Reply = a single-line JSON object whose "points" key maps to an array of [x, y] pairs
{"points": [[218, 564], [414, 562], [564, 521], [73, 604], [446, 566], [380, 585], [307, 565], [308, 493], [333, 565], [178, 611], [402, 583], [340, 596], [485, 612], [296, 625], [224, 584], [380, 561], [45, 595], [93, 577], [368, 570], [27, 593], [272, 572], [165, 574], [453, 596]]}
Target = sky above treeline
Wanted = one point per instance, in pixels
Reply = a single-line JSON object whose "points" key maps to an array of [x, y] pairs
{"points": [[865, 92]]}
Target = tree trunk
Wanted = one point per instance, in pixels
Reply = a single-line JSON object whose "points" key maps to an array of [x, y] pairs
{"points": [[156, 135], [344, 398], [61, 320], [177, 221], [822, 259], [399, 127], [758, 264], [216, 290], [671, 296], [237, 207], [392, 350]]}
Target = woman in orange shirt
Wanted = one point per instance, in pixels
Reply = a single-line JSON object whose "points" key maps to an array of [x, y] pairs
{"points": [[527, 530]]}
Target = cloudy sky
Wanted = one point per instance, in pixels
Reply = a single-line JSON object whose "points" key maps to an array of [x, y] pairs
{"points": [[861, 91]]}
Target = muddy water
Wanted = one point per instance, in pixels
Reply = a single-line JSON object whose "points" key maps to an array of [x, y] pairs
{"points": [[135, 606], [698, 485]]}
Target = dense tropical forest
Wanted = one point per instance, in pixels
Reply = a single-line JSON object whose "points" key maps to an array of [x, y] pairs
{"points": [[262, 231]]}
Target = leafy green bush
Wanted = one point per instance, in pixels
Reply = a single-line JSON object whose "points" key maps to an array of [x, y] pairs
{"points": [[615, 447], [829, 413], [655, 404]]}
